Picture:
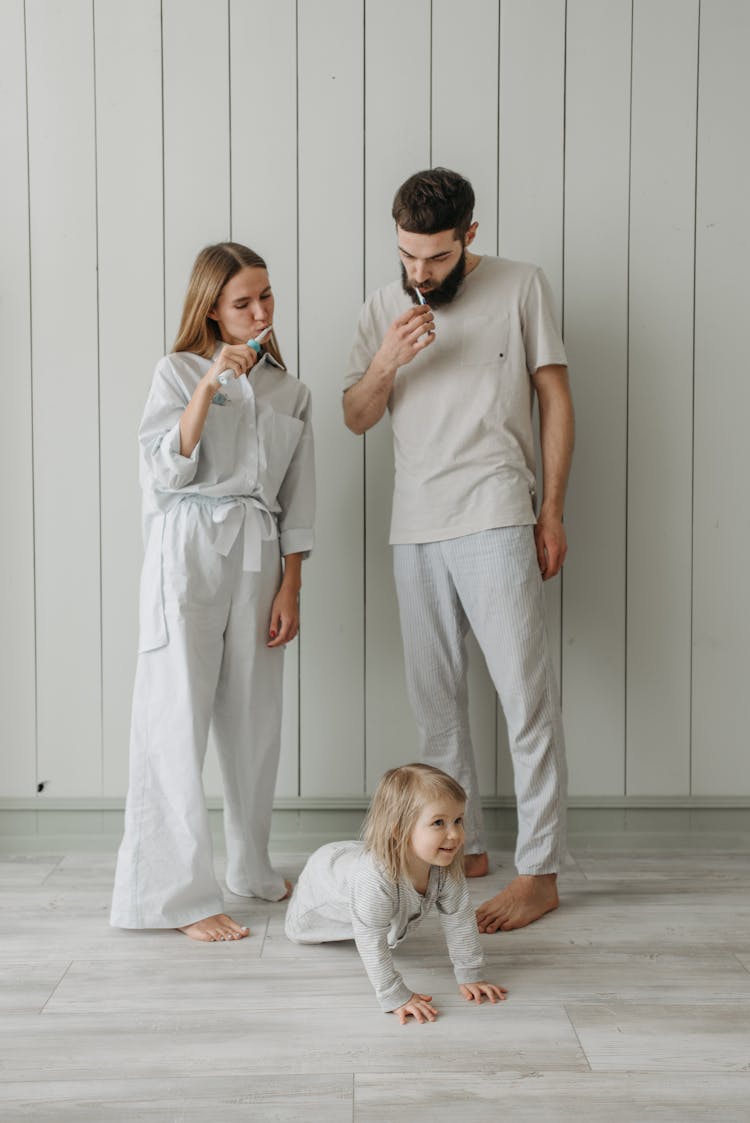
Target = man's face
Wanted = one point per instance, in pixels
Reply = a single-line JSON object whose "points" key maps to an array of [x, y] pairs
{"points": [[432, 263]]}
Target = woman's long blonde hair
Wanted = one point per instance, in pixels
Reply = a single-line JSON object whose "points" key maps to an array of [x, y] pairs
{"points": [[214, 266], [395, 808]]}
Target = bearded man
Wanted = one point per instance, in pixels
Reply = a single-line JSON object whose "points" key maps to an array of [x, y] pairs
{"points": [[456, 351]]}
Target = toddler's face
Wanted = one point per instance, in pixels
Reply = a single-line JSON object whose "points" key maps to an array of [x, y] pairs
{"points": [[439, 832]]}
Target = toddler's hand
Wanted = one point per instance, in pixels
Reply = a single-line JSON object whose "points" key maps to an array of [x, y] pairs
{"points": [[473, 992], [419, 1008]]}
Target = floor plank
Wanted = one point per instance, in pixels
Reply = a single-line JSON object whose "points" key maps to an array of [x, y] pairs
{"points": [[657, 1037], [589, 1097], [279, 1041], [259, 1099]]}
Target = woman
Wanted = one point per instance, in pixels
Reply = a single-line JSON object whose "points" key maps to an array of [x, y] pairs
{"points": [[228, 482]]}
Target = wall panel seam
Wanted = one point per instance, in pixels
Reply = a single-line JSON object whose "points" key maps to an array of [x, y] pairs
{"points": [[627, 405], [31, 401], [300, 639], [692, 419], [98, 391]]}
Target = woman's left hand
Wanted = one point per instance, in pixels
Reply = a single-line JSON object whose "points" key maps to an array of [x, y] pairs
{"points": [[473, 992], [284, 623]]}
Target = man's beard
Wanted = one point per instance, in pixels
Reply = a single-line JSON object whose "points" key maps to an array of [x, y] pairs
{"points": [[445, 291]]}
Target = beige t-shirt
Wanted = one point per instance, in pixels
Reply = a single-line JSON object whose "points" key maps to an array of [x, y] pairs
{"points": [[461, 410]]}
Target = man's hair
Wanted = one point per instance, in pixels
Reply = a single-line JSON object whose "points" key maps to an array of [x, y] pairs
{"points": [[395, 808], [434, 200]]}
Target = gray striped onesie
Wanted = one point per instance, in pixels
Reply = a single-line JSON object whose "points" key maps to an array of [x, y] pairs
{"points": [[343, 893]]}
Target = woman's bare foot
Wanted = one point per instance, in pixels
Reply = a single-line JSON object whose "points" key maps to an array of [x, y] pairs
{"points": [[215, 928], [523, 901], [288, 893], [476, 865]]}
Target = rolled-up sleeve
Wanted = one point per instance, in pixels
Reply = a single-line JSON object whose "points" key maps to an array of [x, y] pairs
{"points": [[297, 492], [159, 434]]}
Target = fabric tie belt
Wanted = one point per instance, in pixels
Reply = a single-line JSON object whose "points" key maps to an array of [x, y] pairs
{"points": [[256, 522]]}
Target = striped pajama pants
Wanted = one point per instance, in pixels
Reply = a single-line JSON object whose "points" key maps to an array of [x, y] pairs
{"points": [[489, 582]]}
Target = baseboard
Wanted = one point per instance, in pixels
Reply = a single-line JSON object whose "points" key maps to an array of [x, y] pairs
{"points": [[361, 802]]}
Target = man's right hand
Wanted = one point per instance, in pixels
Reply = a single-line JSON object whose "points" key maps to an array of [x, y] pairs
{"points": [[367, 400], [407, 336]]}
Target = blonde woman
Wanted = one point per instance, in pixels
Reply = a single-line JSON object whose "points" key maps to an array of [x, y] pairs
{"points": [[374, 891], [228, 485]]}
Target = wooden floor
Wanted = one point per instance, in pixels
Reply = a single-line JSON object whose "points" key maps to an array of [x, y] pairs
{"points": [[631, 1003]]}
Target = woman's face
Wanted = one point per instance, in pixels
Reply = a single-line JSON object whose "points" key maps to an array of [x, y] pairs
{"points": [[245, 305]]}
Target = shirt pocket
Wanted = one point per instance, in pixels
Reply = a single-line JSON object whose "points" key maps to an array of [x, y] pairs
{"points": [[283, 436], [485, 340]]}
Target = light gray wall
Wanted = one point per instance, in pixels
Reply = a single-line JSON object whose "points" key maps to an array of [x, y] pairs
{"points": [[606, 140]]}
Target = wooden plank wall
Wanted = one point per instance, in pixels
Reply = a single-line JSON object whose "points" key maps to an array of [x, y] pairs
{"points": [[606, 140]]}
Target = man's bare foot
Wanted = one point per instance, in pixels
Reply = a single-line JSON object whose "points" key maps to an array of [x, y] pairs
{"points": [[215, 928], [288, 893], [476, 865], [526, 899]]}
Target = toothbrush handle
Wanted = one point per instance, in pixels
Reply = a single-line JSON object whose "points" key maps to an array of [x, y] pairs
{"points": [[226, 376]]}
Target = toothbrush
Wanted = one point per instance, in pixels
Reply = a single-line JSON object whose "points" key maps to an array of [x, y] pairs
{"points": [[226, 376], [420, 298]]}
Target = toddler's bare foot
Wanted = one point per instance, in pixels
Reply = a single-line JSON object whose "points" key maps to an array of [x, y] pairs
{"points": [[476, 865], [526, 899], [215, 928]]}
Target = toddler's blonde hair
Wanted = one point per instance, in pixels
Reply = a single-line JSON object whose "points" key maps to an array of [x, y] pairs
{"points": [[395, 808]]}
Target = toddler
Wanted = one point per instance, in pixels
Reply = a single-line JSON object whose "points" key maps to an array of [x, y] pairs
{"points": [[374, 891]]}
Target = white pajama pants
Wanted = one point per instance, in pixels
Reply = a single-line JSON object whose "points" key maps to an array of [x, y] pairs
{"points": [[489, 582], [214, 668]]}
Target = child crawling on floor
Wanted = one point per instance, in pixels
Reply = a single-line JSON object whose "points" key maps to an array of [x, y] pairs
{"points": [[374, 891]]}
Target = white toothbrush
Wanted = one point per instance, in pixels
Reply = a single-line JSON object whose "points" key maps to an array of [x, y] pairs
{"points": [[226, 376]]}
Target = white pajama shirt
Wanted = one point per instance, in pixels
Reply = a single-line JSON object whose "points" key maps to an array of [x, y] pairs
{"points": [[216, 524]]}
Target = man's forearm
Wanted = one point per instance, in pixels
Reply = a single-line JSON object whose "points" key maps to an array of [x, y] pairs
{"points": [[367, 400], [557, 436]]}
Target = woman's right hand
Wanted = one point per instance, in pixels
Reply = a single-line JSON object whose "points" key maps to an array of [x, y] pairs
{"points": [[419, 1008], [237, 357]]}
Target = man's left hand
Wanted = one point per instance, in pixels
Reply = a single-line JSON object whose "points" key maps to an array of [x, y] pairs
{"points": [[551, 545]]}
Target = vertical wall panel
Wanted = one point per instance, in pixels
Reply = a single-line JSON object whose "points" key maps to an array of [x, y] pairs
{"points": [[196, 67], [721, 541], [196, 140], [660, 414], [66, 423], [464, 109], [331, 245], [263, 52], [397, 133], [17, 674], [596, 295], [464, 102], [131, 325], [530, 190]]}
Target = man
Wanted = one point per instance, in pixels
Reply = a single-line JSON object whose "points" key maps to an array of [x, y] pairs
{"points": [[458, 374]]}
